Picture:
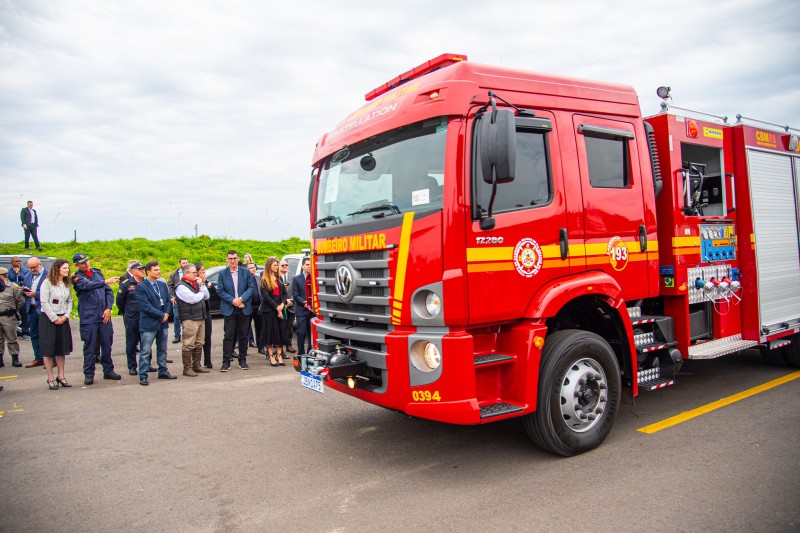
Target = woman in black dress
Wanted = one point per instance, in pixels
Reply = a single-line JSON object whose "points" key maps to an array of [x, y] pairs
{"points": [[55, 336], [273, 302]]}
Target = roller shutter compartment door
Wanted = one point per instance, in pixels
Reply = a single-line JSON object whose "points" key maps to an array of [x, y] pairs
{"points": [[772, 187]]}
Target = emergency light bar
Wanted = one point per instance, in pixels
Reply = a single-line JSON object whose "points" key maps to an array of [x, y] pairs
{"points": [[416, 72]]}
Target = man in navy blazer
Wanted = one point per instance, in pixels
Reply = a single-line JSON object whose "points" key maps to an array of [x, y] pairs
{"points": [[235, 287], [303, 307], [33, 306], [30, 223], [154, 308]]}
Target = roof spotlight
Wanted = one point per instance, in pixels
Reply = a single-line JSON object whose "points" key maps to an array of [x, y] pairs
{"points": [[663, 92]]}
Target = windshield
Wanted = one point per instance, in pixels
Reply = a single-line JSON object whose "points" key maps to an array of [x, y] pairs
{"points": [[398, 171]]}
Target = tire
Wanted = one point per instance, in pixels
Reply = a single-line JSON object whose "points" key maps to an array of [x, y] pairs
{"points": [[773, 357], [792, 352], [573, 417]]}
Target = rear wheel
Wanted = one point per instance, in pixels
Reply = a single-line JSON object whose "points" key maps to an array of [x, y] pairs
{"points": [[773, 357], [579, 393], [792, 352]]}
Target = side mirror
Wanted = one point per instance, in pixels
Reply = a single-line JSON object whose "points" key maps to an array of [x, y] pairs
{"points": [[311, 188], [498, 146]]}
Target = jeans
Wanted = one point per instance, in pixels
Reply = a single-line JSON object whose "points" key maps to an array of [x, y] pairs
{"points": [[33, 322], [177, 321], [146, 349]]}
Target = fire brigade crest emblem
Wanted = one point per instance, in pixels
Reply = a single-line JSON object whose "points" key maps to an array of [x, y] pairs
{"points": [[527, 257], [617, 252]]}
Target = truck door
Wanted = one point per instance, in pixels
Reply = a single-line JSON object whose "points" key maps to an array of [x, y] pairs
{"points": [[615, 235], [506, 265]]}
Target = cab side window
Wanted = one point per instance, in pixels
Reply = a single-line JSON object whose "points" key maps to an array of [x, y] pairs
{"points": [[607, 157], [532, 186]]}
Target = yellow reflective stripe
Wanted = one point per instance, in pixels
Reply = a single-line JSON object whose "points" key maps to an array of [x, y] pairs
{"points": [[402, 265], [678, 242], [504, 253]]}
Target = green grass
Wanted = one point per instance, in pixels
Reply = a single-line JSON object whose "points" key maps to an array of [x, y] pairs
{"points": [[112, 256]]}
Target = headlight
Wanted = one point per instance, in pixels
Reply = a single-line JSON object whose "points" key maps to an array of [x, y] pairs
{"points": [[433, 358], [433, 304], [425, 356]]}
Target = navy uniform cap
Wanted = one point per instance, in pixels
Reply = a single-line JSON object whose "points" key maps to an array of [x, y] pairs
{"points": [[79, 258], [136, 265]]}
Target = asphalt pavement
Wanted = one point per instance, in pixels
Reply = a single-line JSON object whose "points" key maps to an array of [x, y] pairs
{"points": [[251, 450]]}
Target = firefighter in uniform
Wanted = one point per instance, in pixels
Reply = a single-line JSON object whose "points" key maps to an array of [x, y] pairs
{"points": [[128, 306], [95, 299], [11, 302]]}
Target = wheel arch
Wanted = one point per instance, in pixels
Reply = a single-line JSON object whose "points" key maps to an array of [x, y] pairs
{"points": [[590, 301]]}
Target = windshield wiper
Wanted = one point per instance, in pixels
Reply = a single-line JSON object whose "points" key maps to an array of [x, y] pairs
{"points": [[321, 223], [377, 209]]}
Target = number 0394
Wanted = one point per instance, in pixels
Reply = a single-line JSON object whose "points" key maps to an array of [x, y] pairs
{"points": [[425, 396]]}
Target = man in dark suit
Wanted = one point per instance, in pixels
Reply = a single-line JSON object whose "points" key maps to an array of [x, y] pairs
{"points": [[30, 223], [303, 306], [235, 286], [33, 304], [154, 307]]}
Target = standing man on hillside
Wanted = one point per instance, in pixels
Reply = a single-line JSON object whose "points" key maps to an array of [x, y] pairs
{"points": [[235, 286], [38, 275], [95, 299], [30, 223], [172, 282], [154, 308]]}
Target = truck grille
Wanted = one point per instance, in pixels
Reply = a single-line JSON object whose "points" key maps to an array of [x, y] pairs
{"points": [[371, 300], [363, 322]]}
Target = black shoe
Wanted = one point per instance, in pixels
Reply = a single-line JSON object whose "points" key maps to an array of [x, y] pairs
{"points": [[143, 381], [15, 362], [252, 345], [170, 361], [225, 366], [262, 351], [286, 357], [208, 365], [290, 349], [132, 372], [176, 340], [63, 382], [112, 375], [152, 369], [88, 381], [167, 376], [243, 364], [38, 249]]}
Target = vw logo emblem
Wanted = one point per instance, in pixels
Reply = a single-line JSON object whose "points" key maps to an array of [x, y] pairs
{"points": [[344, 282]]}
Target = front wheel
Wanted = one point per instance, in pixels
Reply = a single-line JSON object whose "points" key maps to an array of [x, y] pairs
{"points": [[579, 393]]}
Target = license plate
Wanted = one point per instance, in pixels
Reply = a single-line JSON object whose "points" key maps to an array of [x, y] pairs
{"points": [[312, 382]]}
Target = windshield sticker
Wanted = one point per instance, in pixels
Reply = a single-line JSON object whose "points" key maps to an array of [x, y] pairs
{"points": [[617, 252], [420, 197], [528, 257], [332, 185]]}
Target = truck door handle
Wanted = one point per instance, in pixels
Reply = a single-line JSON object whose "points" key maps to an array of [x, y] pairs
{"points": [[642, 238], [564, 242]]}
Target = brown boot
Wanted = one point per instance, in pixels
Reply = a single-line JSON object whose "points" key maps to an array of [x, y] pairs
{"points": [[196, 366], [187, 363]]}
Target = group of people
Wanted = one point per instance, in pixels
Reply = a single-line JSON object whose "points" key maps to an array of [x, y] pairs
{"points": [[146, 302]]}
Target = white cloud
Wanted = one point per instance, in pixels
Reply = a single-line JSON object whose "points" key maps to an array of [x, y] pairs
{"points": [[144, 118]]}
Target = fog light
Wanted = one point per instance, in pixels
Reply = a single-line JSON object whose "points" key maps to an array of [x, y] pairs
{"points": [[433, 304], [433, 358], [351, 383]]}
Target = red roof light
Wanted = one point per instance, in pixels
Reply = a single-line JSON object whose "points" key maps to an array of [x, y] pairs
{"points": [[416, 72]]}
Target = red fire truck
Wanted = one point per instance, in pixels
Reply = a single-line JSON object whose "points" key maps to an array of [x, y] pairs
{"points": [[491, 243]]}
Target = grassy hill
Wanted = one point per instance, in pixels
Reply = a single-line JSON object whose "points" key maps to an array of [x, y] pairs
{"points": [[112, 256]]}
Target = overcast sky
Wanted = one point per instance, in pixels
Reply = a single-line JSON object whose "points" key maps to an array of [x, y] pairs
{"points": [[142, 119]]}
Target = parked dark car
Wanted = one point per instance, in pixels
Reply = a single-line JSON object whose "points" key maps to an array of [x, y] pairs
{"points": [[5, 260]]}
